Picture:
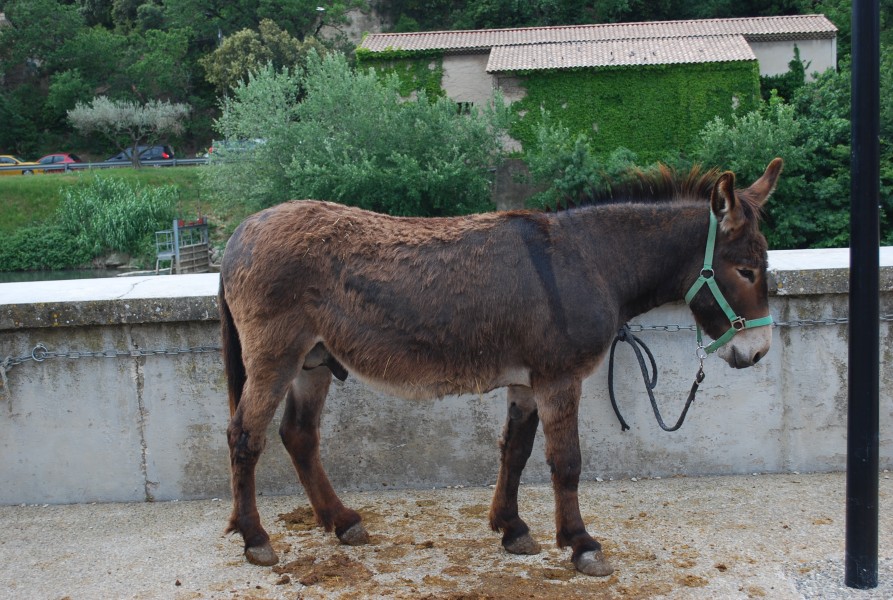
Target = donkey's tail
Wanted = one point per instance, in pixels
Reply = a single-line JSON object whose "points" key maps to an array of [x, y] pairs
{"points": [[232, 352]]}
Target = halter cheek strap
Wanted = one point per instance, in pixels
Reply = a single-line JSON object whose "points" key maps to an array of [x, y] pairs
{"points": [[707, 277]]}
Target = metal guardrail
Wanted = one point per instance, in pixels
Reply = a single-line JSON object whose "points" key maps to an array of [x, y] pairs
{"points": [[69, 167]]}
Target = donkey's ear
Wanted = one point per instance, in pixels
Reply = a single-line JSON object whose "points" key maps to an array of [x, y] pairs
{"points": [[763, 187], [725, 205]]}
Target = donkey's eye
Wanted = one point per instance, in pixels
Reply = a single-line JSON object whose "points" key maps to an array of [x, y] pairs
{"points": [[747, 274]]}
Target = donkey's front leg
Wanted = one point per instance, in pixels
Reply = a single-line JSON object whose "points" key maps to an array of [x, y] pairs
{"points": [[515, 445], [558, 405]]}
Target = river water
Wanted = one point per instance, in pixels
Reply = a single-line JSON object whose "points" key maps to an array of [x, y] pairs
{"points": [[20, 276]]}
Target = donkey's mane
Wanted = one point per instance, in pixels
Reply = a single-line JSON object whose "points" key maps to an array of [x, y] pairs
{"points": [[659, 184]]}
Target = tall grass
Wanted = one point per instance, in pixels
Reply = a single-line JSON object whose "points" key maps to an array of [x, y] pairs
{"points": [[113, 215], [59, 221], [31, 200]]}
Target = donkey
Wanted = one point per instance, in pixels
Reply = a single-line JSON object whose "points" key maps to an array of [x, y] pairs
{"points": [[425, 307]]}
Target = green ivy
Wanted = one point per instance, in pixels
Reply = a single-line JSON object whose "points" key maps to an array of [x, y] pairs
{"points": [[651, 110], [416, 70]]}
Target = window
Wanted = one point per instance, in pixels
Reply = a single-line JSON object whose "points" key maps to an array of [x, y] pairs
{"points": [[464, 108]]}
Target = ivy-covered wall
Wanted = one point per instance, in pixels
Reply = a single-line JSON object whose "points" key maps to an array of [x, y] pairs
{"points": [[415, 70], [652, 110]]}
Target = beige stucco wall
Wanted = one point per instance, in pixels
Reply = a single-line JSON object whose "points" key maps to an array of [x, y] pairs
{"points": [[818, 55], [465, 78]]}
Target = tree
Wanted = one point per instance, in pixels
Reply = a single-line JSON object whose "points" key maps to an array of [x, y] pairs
{"points": [[248, 50], [210, 19], [353, 140], [127, 124], [158, 68], [786, 84], [37, 31]]}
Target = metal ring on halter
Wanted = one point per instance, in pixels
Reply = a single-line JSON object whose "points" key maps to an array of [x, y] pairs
{"points": [[701, 353]]}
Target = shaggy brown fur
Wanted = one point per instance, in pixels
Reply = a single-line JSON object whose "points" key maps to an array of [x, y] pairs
{"points": [[428, 307]]}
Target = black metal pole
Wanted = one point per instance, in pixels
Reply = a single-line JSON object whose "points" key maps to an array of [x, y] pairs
{"points": [[861, 555]]}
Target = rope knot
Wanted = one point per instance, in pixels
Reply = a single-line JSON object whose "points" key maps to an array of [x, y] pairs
{"points": [[624, 334]]}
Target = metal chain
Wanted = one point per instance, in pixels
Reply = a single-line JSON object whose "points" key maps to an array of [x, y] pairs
{"points": [[40, 352], [637, 328]]}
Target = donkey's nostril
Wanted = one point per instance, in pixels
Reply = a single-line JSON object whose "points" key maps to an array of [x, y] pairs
{"points": [[757, 357]]}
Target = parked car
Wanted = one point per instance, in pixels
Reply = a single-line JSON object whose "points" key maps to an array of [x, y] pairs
{"points": [[7, 160], [233, 147], [58, 160], [146, 153]]}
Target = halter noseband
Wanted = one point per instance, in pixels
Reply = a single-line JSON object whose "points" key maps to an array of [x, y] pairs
{"points": [[707, 277]]}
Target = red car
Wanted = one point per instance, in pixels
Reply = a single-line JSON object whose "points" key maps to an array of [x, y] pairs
{"points": [[58, 161]]}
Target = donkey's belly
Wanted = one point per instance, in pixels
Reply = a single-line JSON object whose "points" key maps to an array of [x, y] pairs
{"points": [[426, 387]]}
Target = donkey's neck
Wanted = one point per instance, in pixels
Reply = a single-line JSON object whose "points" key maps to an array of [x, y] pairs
{"points": [[650, 253]]}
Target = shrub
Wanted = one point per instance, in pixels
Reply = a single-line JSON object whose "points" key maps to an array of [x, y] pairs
{"points": [[569, 168], [354, 140], [112, 215], [41, 247]]}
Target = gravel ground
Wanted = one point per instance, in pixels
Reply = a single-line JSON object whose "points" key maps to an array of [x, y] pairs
{"points": [[763, 536]]}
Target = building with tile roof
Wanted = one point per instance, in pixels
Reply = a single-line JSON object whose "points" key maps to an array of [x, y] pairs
{"points": [[604, 45], [630, 77]]}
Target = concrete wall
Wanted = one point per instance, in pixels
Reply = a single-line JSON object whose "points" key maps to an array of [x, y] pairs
{"points": [[153, 426]]}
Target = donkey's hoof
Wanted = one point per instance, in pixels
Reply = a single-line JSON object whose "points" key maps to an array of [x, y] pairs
{"points": [[594, 563], [355, 535], [523, 545], [261, 555]]}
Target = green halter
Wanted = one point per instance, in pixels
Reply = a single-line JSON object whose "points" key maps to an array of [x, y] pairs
{"points": [[706, 277]]}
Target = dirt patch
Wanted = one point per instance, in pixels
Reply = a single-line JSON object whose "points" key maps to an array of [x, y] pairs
{"points": [[477, 511], [300, 519], [691, 580], [335, 572]]}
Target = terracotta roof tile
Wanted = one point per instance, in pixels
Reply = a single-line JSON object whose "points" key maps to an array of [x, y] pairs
{"points": [[609, 53], [753, 29]]}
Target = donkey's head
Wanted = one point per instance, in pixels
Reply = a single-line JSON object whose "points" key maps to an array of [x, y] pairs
{"points": [[730, 298]]}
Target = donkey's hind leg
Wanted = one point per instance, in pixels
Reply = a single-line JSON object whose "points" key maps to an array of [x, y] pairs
{"points": [[247, 436], [515, 445], [300, 435]]}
